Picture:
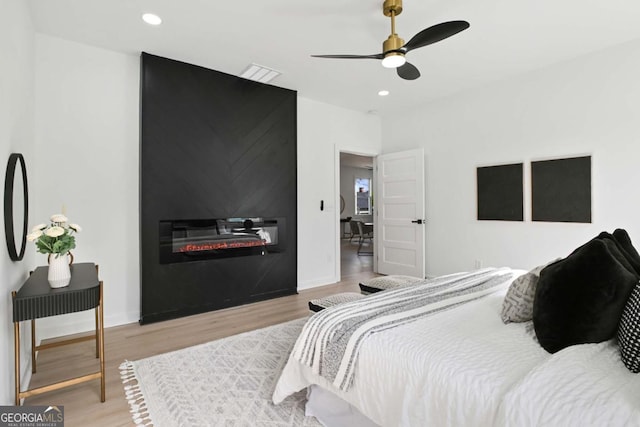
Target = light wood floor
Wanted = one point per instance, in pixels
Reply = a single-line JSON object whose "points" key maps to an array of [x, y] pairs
{"points": [[82, 406]]}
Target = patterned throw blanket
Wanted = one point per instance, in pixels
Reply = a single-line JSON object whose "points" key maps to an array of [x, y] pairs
{"points": [[331, 340]]}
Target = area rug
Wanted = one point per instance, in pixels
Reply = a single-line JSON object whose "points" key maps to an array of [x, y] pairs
{"points": [[227, 382]]}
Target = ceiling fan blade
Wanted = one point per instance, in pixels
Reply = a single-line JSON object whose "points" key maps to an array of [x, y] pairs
{"points": [[435, 34], [408, 71], [376, 56]]}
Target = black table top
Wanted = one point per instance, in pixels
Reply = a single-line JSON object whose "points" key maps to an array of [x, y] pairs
{"points": [[37, 299]]}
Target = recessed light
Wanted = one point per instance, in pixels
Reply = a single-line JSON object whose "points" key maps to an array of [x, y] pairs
{"points": [[383, 93], [151, 19]]}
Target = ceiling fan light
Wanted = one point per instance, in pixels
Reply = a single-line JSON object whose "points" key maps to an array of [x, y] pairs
{"points": [[393, 60]]}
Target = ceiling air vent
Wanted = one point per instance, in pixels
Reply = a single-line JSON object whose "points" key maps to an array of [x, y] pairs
{"points": [[259, 73]]}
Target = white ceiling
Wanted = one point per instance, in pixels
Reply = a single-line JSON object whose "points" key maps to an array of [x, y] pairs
{"points": [[507, 37]]}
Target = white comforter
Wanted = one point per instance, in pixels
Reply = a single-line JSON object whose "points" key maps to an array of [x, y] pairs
{"points": [[465, 367], [582, 385]]}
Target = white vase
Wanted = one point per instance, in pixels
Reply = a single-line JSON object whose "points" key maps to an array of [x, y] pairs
{"points": [[59, 274]]}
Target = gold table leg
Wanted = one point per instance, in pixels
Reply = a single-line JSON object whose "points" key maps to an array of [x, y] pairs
{"points": [[16, 354], [97, 314], [97, 310], [16, 340], [100, 338]]}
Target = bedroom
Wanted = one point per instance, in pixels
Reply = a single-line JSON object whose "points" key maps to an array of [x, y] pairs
{"points": [[583, 103]]}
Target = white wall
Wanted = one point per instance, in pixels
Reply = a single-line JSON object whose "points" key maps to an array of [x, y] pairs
{"points": [[87, 160], [585, 106], [323, 130], [16, 136]]}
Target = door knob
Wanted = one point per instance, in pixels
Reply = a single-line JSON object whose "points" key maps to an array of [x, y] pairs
{"points": [[417, 221]]}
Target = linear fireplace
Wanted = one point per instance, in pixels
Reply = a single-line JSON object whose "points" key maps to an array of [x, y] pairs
{"points": [[194, 240]]}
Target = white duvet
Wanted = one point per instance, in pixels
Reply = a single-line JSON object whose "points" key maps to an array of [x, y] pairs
{"points": [[464, 367], [582, 385]]}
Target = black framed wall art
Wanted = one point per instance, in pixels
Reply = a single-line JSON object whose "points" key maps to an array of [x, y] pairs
{"points": [[561, 190], [500, 192]]}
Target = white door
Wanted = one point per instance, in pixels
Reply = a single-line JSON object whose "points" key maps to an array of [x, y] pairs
{"points": [[399, 201]]}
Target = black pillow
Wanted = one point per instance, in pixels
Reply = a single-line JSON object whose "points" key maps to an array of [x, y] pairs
{"points": [[580, 299], [625, 251], [629, 332], [624, 241], [618, 252]]}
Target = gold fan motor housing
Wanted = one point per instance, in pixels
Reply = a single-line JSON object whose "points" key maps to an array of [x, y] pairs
{"points": [[394, 6], [392, 43]]}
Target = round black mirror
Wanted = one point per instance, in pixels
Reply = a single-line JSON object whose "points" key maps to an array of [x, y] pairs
{"points": [[20, 209]]}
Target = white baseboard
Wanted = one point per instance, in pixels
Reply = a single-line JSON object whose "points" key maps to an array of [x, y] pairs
{"points": [[308, 284], [86, 323]]}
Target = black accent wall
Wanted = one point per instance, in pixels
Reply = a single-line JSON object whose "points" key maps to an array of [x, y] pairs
{"points": [[212, 146]]}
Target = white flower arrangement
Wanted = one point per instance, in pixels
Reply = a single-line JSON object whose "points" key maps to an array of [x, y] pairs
{"points": [[55, 238]]}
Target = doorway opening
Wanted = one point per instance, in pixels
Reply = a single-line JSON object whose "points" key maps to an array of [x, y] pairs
{"points": [[357, 213]]}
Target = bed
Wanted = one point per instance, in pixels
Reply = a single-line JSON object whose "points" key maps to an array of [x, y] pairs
{"points": [[463, 366]]}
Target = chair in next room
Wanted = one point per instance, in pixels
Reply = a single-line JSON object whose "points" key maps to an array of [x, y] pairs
{"points": [[365, 231]]}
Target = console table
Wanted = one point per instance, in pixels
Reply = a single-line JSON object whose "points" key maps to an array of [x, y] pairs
{"points": [[36, 299]]}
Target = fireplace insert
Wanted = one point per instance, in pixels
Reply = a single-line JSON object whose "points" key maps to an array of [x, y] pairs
{"points": [[200, 239]]}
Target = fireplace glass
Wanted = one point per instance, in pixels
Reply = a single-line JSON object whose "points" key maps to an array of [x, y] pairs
{"points": [[193, 240]]}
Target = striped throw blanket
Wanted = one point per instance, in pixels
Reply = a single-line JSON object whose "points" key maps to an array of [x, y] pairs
{"points": [[330, 341]]}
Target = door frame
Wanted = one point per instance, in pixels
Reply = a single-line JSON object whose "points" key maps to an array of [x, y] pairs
{"points": [[338, 230]]}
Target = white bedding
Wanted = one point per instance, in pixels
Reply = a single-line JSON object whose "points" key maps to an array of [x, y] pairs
{"points": [[582, 385], [465, 367], [330, 341], [450, 369]]}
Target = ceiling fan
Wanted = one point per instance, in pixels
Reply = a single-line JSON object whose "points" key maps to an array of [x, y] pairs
{"points": [[394, 48]]}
